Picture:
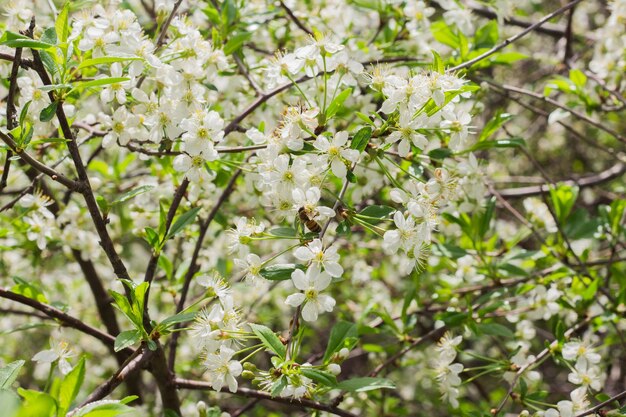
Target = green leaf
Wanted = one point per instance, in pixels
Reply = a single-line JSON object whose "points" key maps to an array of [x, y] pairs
{"points": [[375, 214], [36, 403], [499, 143], [152, 237], [122, 304], [182, 221], [563, 198], [283, 232], [337, 102], [62, 24], [100, 82], [365, 384], [342, 335], [591, 291], [361, 139], [91, 62], [29, 290], [485, 220], [269, 339], [578, 77], [24, 112], [48, 112], [279, 272], [507, 58], [103, 410], [442, 33], [279, 386], [486, 36], [365, 118], [437, 65], [8, 374], [152, 345], [494, 124], [15, 40], [320, 377], [132, 193], [177, 318], [70, 386], [440, 153], [126, 339], [139, 295], [495, 329], [235, 42], [49, 35]]}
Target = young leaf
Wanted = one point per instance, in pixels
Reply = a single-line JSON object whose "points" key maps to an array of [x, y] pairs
{"points": [[105, 60], [13, 40], [9, 373], [126, 339], [182, 221], [341, 333], [177, 318], [499, 143], [106, 409], [375, 214], [336, 104], [486, 217], [279, 272], [132, 193], [269, 340], [70, 386], [578, 77], [100, 82], [320, 377], [62, 24], [283, 232], [495, 329], [437, 65], [235, 42], [494, 124], [563, 198], [365, 384], [48, 112], [487, 35], [361, 139], [279, 386]]}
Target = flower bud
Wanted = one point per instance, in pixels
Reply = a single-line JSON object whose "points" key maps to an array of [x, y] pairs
{"points": [[202, 409], [249, 366], [248, 375], [343, 354], [334, 369]]}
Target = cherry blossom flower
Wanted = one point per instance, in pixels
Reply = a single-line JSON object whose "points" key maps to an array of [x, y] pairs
{"points": [[314, 252], [222, 369], [336, 152], [311, 284]]}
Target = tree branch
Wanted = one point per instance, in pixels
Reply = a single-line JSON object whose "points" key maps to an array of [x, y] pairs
{"points": [[514, 38], [250, 393], [193, 265], [64, 318]]}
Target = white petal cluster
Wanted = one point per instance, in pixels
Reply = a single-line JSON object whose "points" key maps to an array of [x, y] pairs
{"points": [[447, 372]]}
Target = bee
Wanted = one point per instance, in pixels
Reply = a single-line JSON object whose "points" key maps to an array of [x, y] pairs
{"points": [[310, 224]]}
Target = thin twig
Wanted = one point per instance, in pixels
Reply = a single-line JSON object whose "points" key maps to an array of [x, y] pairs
{"points": [[154, 259], [193, 265], [537, 96], [514, 38], [56, 176], [129, 367], [615, 171], [250, 393], [64, 318], [295, 19]]}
